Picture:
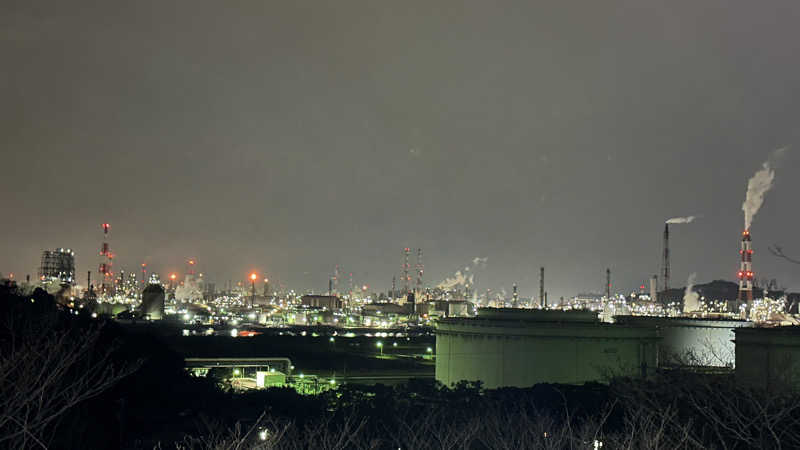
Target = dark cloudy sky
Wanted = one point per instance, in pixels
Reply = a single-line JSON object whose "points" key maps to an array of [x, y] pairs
{"points": [[292, 136]]}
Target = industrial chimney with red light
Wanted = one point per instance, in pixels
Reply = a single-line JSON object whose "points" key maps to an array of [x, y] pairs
{"points": [[746, 270]]}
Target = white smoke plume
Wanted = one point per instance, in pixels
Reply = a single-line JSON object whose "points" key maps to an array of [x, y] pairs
{"points": [[458, 279], [190, 291], [691, 299], [757, 187], [479, 262], [463, 277], [687, 219]]}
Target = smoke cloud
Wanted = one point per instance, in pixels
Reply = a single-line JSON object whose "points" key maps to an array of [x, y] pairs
{"points": [[458, 279], [690, 297], [463, 277], [687, 219], [190, 291], [757, 187]]}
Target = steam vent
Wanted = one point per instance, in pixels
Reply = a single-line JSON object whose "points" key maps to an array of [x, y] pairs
{"points": [[513, 347]]}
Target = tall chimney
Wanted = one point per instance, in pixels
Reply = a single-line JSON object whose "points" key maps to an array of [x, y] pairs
{"points": [[541, 287], [654, 288], [515, 298], [666, 257], [745, 274]]}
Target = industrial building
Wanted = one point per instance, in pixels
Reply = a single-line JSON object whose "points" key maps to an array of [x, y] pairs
{"points": [[513, 347], [322, 301], [687, 341], [58, 266], [768, 358]]}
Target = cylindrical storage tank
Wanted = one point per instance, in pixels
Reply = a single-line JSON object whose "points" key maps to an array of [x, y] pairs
{"points": [[687, 341], [768, 358], [153, 302], [513, 347]]}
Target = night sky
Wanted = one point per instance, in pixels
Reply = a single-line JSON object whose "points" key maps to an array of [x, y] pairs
{"points": [[288, 137]]}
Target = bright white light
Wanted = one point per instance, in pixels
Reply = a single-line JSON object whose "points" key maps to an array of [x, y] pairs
{"points": [[234, 332], [262, 435]]}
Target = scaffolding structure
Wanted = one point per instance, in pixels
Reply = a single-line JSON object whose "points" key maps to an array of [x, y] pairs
{"points": [[58, 266]]}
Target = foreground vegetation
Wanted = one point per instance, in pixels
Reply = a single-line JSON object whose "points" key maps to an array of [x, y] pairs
{"points": [[68, 381]]}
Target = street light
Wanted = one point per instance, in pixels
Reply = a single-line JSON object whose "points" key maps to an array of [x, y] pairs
{"points": [[380, 346], [430, 352]]}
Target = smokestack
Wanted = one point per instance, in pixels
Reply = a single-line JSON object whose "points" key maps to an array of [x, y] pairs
{"points": [[654, 288], [608, 283], [335, 289], [541, 287], [330, 286], [666, 257], [406, 276], [419, 271], [745, 274], [515, 298], [394, 286]]}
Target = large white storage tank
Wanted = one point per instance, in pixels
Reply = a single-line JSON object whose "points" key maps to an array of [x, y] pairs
{"points": [[687, 341], [516, 347]]}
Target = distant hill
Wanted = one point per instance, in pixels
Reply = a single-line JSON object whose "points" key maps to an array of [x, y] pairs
{"points": [[728, 290]]}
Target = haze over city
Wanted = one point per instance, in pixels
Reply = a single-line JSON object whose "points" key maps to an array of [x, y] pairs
{"points": [[417, 225], [291, 137]]}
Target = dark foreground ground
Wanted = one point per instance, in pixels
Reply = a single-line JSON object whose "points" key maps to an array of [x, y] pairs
{"points": [[67, 381]]}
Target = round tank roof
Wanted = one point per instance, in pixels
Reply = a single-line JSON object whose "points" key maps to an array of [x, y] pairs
{"points": [[537, 315], [153, 288]]}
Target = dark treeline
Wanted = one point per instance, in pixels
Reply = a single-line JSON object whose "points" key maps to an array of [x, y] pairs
{"points": [[70, 381]]}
